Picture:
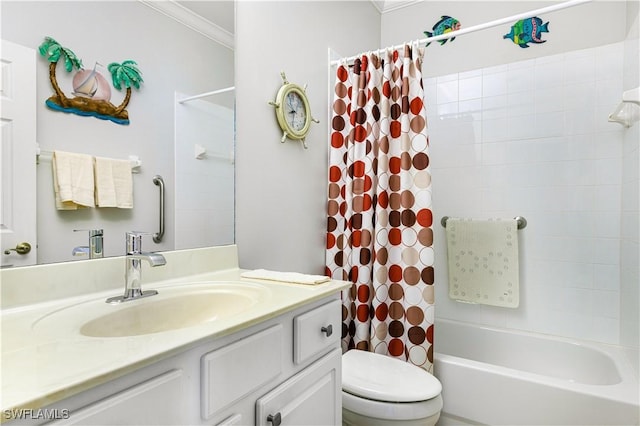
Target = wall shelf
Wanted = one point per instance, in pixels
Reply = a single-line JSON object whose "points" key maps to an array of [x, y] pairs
{"points": [[628, 111]]}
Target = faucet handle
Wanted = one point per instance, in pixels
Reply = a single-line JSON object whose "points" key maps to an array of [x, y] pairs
{"points": [[130, 235], [134, 241], [92, 232]]}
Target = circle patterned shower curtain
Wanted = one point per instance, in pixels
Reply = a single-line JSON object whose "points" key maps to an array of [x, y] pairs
{"points": [[379, 227]]}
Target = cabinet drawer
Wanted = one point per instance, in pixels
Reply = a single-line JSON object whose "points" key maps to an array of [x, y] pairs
{"points": [[311, 397], [316, 331], [156, 401], [231, 373]]}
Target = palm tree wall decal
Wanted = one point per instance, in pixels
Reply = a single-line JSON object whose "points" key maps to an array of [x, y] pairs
{"points": [[88, 103], [126, 74], [54, 51]]}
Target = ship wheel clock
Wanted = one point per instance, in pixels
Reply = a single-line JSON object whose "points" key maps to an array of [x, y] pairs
{"points": [[292, 111]]}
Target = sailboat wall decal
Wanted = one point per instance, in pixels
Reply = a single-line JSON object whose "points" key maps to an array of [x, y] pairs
{"points": [[91, 84], [91, 90]]}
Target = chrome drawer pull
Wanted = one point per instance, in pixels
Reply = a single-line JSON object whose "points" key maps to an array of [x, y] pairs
{"points": [[328, 330]]}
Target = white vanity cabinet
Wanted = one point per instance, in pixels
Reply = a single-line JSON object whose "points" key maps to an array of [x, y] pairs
{"points": [[153, 402], [285, 370], [311, 397]]}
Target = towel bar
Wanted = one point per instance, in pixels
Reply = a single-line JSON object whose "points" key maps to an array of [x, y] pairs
{"points": [[135, 161], [522, 222]]}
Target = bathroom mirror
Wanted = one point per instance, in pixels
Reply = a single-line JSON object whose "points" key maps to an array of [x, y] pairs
{"points": [[183, 49]]}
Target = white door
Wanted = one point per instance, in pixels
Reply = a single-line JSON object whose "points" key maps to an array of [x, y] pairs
{"points": [[18, 153]]}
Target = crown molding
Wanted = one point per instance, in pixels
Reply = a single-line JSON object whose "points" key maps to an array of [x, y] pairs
{"points": [[192, 20], [390, 5], [378, 4]]}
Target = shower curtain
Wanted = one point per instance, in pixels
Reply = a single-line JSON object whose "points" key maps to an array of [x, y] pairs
{"points": [[379, 227]]}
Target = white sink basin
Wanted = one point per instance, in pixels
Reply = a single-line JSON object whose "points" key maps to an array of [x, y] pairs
{"points": [[173, 308]]}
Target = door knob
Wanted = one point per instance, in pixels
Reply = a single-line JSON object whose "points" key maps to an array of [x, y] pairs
{"points": [[21, 248]]}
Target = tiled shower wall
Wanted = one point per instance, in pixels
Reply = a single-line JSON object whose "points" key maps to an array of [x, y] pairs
{"points": [[532, 139], [204, 187]]}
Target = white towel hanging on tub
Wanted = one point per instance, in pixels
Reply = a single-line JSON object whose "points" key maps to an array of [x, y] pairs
{"points": [[483, 261]]}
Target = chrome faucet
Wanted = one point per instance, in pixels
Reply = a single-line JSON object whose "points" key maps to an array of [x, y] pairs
{"points": [[133, 288], [95, 247]]}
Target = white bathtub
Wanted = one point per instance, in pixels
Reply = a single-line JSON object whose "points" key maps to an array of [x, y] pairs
{"points": [[505, 377]]}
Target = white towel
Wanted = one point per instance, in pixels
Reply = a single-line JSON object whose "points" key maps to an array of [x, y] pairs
{"points": [[483, 261], [73, 182], [290, 277], [114, 184]]}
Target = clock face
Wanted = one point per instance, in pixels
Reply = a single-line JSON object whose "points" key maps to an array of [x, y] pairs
{"points": [[295, 113]]}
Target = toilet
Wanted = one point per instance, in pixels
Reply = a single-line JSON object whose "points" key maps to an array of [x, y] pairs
{"points": [[378, 390]]}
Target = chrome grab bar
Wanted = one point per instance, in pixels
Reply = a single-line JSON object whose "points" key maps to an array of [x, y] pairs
{"points": [[157, 237], [521, 221]]}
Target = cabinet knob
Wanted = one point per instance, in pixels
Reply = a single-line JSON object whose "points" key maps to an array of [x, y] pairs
{"points": [[328, 330], [275, 419]]}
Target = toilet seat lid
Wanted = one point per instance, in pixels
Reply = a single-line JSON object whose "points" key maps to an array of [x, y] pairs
{"points": [[382, 378]]}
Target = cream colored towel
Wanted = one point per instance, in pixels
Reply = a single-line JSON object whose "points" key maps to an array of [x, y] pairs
{"points": [[290, 277], [114, 184], [483, 261], [73, 182]]}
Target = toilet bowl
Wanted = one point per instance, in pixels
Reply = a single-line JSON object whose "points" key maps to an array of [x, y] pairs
{"points": [[378, 390]]}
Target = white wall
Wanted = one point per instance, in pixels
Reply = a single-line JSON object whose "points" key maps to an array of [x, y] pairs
{"points": [[569, 29], [543, 150], [171, 58], [524, 132], [281, 188], [630, 221]]}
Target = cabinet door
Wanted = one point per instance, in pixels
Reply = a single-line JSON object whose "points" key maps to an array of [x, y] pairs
{"points": [[233, 372], [311, 397], [154, 402]]}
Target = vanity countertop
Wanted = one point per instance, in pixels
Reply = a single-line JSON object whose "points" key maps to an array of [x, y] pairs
{"points": [[41, 366]]}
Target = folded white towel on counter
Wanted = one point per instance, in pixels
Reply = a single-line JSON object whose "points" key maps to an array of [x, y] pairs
{"points": [[483, 261], [73, 181], [114, 183], [290, 277]]}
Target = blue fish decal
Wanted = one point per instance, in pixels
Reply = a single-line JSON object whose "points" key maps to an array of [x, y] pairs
{"points": [[446, 24], [527, 31]]}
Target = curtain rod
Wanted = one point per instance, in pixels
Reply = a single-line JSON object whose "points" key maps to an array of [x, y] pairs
{"points": [[483, 26], [203, 95]]}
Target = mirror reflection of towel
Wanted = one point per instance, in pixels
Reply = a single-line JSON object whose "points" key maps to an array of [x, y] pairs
{"points": [[114, 183], [73, 181]]}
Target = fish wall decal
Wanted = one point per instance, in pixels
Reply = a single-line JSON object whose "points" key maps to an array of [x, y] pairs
{"points": [[527, 31], [445, 25]]}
